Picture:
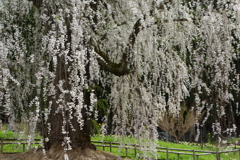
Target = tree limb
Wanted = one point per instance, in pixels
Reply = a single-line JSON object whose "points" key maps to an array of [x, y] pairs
{"points": [[121, 68], [136, 29], [118, 69]]}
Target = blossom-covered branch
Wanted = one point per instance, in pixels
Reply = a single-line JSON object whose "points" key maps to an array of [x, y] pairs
{"points": [[120, 68]]}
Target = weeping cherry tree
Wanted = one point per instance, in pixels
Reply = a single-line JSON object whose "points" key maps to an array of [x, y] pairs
{"points": [[152, 54]]}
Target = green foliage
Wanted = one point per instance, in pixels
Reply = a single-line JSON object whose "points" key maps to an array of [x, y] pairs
{"points": [[96, 127], [102, 107], [209, 138]]}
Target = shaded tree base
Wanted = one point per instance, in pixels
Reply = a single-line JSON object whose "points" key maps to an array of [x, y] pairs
{"points": [[58, 154]]}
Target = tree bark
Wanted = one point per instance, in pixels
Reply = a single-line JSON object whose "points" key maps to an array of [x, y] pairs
{"points": [[59, 117], [80, 137]]}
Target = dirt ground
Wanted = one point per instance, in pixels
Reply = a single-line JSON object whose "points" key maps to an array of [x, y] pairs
{"points": [[55, 154]]}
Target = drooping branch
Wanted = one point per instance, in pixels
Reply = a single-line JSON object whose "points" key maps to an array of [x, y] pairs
{"points": [[133, 35], [120, 68]]}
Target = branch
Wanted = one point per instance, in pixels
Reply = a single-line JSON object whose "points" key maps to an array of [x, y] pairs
{"points": [[118, 69], [121, 68], [136, 29], [99, 51]]}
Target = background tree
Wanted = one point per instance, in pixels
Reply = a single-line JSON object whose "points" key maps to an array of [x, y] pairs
{"points": [[178, 125]]}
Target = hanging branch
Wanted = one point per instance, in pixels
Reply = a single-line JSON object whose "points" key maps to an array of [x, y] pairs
{"points": [[133, 35], [121, 68]]}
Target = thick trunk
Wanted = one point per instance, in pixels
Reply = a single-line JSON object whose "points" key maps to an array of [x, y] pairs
{"points": [[79, 137], [59, 117], [65, 123]]}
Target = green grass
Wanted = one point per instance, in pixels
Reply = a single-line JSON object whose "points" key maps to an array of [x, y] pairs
{"points": [[7, 134], [183, 145], [14, 148]]}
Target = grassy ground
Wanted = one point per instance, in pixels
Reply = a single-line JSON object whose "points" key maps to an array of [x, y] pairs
{"points": [[6, 134], [183, 145], [15, 148]]}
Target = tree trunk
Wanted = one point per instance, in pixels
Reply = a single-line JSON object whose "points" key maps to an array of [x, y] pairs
{"points": [[60, 117]]}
